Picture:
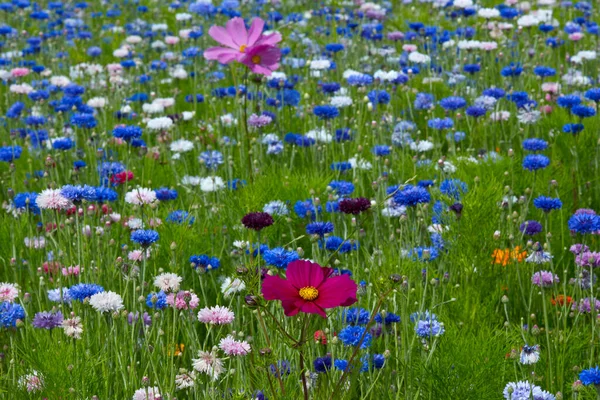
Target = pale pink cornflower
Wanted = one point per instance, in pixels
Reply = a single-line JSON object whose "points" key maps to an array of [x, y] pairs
{"points": [[140, 196], [168, 282], [185, 380], [208, 363], [36, 242], [551, 87], [171, 40], [19, 72], [183, 300], [23, 88], [8, 292], [147, 393], [73, 327], [233, 347], [409, 47], [52, 199], [576, 36], [71, 271], [217, 315], [138, 255], [259, 121], [32, 382]]}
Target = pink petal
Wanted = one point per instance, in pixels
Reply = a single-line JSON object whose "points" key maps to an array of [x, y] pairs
{"points": [[221, 54], [290, 308], [259, 69], [221, 35], [276, 288], [269, 40], [255, 31], [237, 31], [337, 291], [302, 273], [311, 308]]}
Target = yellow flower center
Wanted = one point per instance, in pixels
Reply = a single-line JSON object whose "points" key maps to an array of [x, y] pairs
{"points": [[243, 48], [256, 59], [309, 293]]}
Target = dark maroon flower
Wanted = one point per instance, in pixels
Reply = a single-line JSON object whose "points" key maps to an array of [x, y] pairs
{"points": [[257, 220], [354, 206], [457, 209]]}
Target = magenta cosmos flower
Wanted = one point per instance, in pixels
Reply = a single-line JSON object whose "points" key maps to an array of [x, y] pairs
{"points": [[241, 44], [309, 288]]}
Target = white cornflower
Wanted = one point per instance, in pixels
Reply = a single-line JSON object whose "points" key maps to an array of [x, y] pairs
{"points": [[106, 302], [140, 196], [168, 282], [159, 123], [232, 286], [208, 363], [211, 184]]}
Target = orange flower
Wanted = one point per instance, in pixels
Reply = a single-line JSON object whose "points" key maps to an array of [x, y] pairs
{"points": [[506, 256], [561, 299], [178, 349]]}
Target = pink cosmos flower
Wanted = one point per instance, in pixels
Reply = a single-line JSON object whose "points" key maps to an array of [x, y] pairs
{"points": [[250, 47], [262, 59], [309, 288]]}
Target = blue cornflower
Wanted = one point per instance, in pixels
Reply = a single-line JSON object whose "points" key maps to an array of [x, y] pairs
{"points": [[144, 237], [164, 194], [10, 313], [381, 150], [211, 159], [512, 69], [378, 361], [356, 316], [440, 123], [288, 97], [207, 263], [332, 206], [530, 228], [27, 201], [590, 376], [390, 318], [424, 101], [471, 68], [334, 47], [568, 101], [157, 300], [429, 328], [319, 228], [127, 132], [584, 223], [341, 166], [10, 153], [336, 243], [94, 51], [593, 94], [15, 110], [340, 364], [582, 111], [496, 93], [104, 194], [457, 136], [84, 120], [379, 97], [78, 193], [411, 196], [453, 103], [322, 364], [73, 90], [359, 80], [279, 257], [63, 143], [476, 111], [547, 204], [533, 162], [426, 254], [180, 216], [276, 207], [330, 87], [81, 291], [342, 188], [572, 128], [351, 336], [535, 144], [454, 188], [306, 208], [544, 71], [326, 112]]}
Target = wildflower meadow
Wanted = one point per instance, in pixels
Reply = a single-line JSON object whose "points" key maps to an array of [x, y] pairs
{"points": [[252, 199]]}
